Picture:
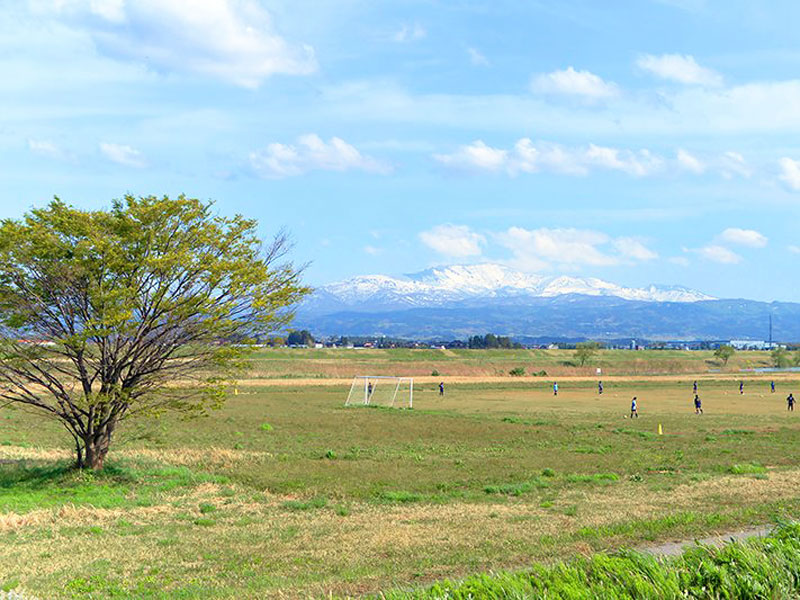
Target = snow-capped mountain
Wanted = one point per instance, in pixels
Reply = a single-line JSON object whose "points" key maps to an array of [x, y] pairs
{"points": [[466, 285]]}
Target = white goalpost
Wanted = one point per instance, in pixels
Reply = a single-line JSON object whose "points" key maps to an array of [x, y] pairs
{"points": [[381, 390]]}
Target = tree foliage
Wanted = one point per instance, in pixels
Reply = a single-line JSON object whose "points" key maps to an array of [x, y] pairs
{"points": [[300, 338], [146, 307], [724, 353], [585, 351], [781, 357], [490, 340]]}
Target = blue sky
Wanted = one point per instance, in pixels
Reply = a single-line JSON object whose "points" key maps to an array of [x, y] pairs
{"points": [[639, 142]]}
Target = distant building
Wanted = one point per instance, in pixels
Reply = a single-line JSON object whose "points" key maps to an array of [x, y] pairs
{"points": [[752, 345]]}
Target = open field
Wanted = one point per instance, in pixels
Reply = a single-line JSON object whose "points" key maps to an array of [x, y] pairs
{"points": [[271, 363], [286, 493]]}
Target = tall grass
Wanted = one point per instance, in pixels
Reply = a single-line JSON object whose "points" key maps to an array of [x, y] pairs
{"points": [[766, 568]]}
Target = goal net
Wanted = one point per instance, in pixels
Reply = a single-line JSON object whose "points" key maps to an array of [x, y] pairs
{"points": [[381, 390]]}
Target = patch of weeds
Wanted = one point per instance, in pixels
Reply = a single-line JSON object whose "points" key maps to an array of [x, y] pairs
{"points": [[9, 585], [711, 438], [546, 504], [207, 507], [591, 449], [313, 503], [265, 427], [289, 533], [167, 542], [517, 372], [342, 510], [330, 455], [593, 478], [515, 489], [571, 510], [737, 432], [205, 522], [747, 469], [238, 446], [434, 373], [548, 472]]}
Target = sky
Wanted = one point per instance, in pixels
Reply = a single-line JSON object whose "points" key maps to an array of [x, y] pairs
{"points": [[635, 141]]}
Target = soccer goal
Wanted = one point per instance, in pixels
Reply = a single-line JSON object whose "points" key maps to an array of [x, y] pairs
{"points": [[381, 390]]}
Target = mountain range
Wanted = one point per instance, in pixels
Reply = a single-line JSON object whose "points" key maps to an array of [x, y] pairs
{"points": [[457, 301]]}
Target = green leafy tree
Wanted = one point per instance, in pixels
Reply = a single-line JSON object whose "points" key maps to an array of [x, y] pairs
{"points": [[585, 351], [781, 358], [300, 338], [724, 353], [147, 307]]}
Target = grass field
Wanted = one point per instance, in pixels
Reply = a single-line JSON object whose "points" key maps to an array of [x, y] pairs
{"points": [[286, 493], [338, 363]]}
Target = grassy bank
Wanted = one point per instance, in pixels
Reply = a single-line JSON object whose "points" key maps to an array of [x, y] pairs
{"points": [[766, 568]]}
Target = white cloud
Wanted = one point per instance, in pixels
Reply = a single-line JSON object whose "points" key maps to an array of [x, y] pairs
{"points": [[570, 82], [679, 67], [475, 156], [793, 249], [410, 33], [639, 163], [690, 163], [634, 249], [539, 249], [733, 163], [476, 58], [719, 254], [790, 173], [372, 250], [231, 40], [310, 153], [49, 149], [457, 241], [529, 157], [743, 237], [123, 155]]}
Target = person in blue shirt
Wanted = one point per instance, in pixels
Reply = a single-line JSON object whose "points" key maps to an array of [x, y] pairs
{"points": [[599, 387], [698, 405], [772, 386], [634, 408], [694, 387], [555, 389], [441, 388], [741, 387], [790, 403]]}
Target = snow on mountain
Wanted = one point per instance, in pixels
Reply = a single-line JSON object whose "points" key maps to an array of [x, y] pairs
{"points": [[458, 284]]}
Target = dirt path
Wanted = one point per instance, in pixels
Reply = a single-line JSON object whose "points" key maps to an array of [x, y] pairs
{"points": [[676, 548]]}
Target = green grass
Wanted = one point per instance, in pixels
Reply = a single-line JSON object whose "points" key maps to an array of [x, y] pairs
{"points": [[760, 568], [328, 500]]}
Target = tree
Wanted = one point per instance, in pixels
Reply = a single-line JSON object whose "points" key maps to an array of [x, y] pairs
{"points": [[781, 358], [300, 338], [147, 307], [585, 351], [724, 353], [796, 358]]}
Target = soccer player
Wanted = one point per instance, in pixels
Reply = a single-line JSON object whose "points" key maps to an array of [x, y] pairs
{"points": [[369, 390], [698, 405], [790, 403], [694, 387], [772, 386], [600, 387], [555, 388], [741, 387], [441, 388], [634, 408]]}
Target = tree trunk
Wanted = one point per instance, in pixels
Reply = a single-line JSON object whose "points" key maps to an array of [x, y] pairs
{"points": [[95, 448]]}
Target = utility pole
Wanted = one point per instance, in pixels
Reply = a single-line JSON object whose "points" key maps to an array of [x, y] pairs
{"points": [[770, 331]]}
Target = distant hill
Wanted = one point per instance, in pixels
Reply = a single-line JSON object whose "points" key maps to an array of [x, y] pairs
{"points": [[455, 302]]}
